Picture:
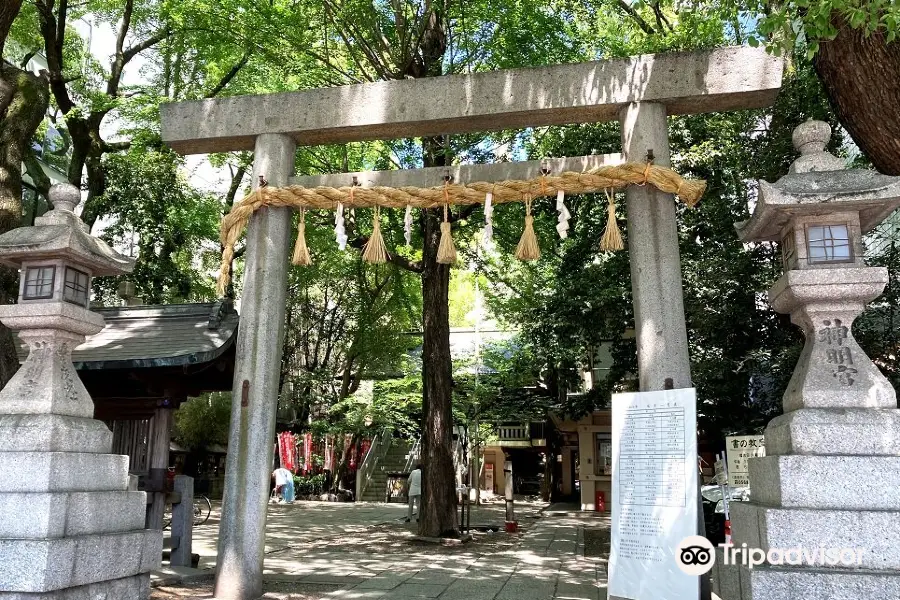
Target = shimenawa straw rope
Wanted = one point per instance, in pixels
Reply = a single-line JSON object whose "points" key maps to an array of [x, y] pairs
{"points": [[298, 197]]}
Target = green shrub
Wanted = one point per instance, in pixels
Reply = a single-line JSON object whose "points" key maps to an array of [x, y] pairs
{"points": [[313, 485]]}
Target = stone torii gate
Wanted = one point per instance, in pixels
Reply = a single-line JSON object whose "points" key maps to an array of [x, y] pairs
{"points": [[639, 92]]}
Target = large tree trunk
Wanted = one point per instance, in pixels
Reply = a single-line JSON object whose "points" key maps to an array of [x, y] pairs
{"points": [[862, 78], [23, 103], [438, 493]]}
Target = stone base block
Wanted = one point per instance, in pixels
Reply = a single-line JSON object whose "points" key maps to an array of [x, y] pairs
{"points": [[824, 431], [726, 579], [55, 515], [54, 564], [136, 587], [62, 472], [834, 482], [771, 583], [814, 530], [53, 433]]}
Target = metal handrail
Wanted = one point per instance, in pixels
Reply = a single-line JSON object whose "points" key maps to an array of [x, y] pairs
{"points": [[413, 455], [377, 451]]}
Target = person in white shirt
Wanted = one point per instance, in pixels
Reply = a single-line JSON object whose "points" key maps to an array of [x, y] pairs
{"points": [[284, 480], [414, 483]]}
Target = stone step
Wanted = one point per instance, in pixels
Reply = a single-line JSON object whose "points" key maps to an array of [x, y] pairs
{"points": [[54, 564], [53, 433], [836, 482], [136, 587], [785, 528], [835, 431], [817, 584], [53, 515], [62, 471]]}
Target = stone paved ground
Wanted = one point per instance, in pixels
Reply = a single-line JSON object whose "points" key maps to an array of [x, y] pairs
{"points": [[318, 551]]}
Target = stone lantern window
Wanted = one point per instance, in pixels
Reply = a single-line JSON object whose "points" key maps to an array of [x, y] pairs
{"points": [[828, 243], [39, 282], [78, 285]]}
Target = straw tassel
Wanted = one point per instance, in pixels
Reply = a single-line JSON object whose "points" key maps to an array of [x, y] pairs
{"points": [[612, 236], [301, 252], [528, 248], [446, 254], [375, 251]]}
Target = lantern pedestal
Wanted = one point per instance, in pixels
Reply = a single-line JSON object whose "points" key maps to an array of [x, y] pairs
{"points": [[69, 527]]}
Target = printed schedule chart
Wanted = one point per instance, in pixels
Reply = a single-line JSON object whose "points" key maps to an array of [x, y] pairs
{"points": [[651, 465]]}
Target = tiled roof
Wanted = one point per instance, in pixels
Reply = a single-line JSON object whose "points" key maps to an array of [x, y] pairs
{"points": [[164, 335]]}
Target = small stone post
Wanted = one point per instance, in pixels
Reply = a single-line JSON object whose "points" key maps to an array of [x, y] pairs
{"points": [[160, 433], [248, 468], [183, 522], [829, 479], [508, 492], [70, 527]]}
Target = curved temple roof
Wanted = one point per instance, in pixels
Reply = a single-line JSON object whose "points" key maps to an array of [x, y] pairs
{"points": [[159, 336]]}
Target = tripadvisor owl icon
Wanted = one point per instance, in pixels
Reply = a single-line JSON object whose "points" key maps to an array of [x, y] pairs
{"points": [[695, 555]]}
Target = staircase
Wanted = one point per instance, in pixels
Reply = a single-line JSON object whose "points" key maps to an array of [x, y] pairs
{"points": [[395, 460]]}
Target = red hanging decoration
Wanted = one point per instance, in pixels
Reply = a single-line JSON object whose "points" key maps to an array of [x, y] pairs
{"points": [[286, 453], [307, 454], [353, 457], [329, 452]]}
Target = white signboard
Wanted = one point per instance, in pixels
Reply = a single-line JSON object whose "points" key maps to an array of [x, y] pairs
{"points": [[739, 449], [654, 493]]}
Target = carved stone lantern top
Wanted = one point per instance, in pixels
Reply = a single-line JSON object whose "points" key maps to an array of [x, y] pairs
{"points": [[819, 185], [60, 234]]}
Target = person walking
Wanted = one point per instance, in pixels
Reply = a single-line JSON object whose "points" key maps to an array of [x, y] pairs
{"points": [[414, 484]]}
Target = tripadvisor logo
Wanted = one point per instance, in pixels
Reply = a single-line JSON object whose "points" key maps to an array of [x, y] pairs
{"points": [[695, 555]]}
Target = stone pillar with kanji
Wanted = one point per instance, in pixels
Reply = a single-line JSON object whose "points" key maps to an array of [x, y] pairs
{"points": [[830, 479]]}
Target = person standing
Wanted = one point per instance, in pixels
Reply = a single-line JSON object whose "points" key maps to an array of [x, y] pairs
{"points": [[414, 483]]}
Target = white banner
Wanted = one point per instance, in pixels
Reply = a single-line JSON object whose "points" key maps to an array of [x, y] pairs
{"points": [[739, 449], [654, 494]]}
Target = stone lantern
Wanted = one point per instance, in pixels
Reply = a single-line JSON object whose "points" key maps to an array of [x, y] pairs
{"points": [[69, 527], [832, 471]]}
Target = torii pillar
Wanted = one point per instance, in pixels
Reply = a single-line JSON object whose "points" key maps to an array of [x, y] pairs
{"points": [[242, 531], [640, 92]]}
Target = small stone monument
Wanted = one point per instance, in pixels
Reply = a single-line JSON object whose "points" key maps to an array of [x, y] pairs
{"points": [[69, 529], [831, 477]]}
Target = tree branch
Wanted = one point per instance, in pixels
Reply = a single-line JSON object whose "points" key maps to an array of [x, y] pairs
{"points": [[51, 31], [116, 146], [226, 79], [36, 172], [638, 19]]}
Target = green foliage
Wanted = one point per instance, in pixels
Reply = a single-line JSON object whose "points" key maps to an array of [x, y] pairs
{"points": [[203, 421], [166, 223], [394, 403], [312, 485], [778, 26]]}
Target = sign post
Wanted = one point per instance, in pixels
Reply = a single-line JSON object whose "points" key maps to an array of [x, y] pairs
{"points": [[722, 480], [654, 493]]}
